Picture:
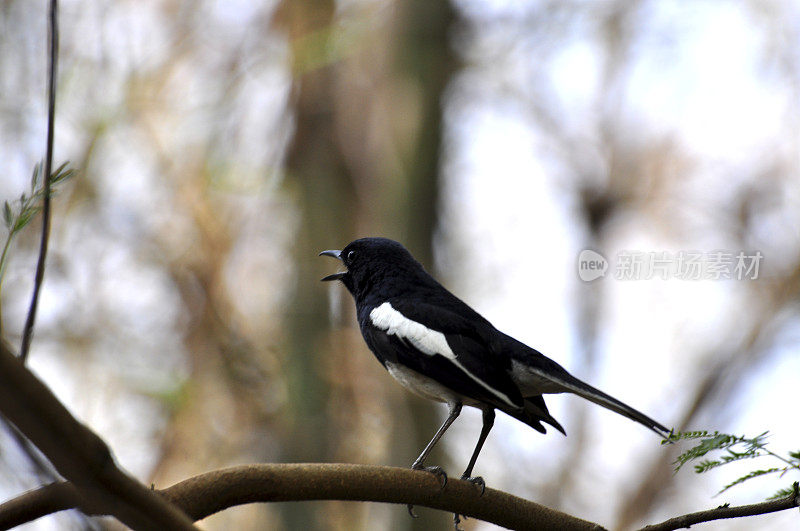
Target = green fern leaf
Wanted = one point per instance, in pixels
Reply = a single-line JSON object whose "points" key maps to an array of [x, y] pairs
{"points": [[8, 216], [750, 475]]}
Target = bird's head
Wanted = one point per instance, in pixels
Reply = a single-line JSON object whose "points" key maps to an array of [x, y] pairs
{"points": [[370, 260]]}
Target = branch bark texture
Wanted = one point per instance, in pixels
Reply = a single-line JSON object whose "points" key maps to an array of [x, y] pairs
{"points": [[721, 513], [206, 494]]}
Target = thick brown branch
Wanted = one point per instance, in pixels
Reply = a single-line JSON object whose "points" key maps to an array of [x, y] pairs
{"points": [[720, 513], [209, 493], [77, 452]]}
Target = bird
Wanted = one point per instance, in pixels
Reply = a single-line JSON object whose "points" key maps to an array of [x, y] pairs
{"points": [[437, 346]]}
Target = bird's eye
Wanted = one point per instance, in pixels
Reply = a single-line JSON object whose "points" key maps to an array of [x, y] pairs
{"points": [[351, 255]]}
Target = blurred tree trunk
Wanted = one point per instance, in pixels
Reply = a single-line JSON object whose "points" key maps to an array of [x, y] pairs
{"points": [[364, 160], [319, 183]]}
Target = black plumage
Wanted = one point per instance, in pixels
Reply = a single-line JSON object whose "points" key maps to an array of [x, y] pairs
{"points": [[437, 346]]}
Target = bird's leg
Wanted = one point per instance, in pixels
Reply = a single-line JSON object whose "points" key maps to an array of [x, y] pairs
{"points": [[455, 410], [488, 422]]}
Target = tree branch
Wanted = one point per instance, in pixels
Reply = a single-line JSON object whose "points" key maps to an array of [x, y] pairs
{"points": [[45, 500], [27, 333], [208, 493], [722, 512], [78, 453]]}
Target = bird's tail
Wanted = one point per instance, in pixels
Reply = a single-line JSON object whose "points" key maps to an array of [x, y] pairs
{"points": [[534, 412], [600, 398]]}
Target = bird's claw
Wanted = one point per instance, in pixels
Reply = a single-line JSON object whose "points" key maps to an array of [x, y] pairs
{"points": [[477, 481], [437, 471]]}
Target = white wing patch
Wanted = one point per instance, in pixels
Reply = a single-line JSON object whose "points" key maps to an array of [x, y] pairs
{"points": [[394, 323], [430, 342]]}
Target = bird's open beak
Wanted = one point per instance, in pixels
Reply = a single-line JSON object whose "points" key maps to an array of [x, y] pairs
{"points": [[336, 276], [334, 253]]}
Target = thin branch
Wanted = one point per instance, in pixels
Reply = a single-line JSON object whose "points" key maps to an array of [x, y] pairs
{"points": [[27, 333], [722, 512], [40, 502], [43, 469], [78, 453], [212, 492]]}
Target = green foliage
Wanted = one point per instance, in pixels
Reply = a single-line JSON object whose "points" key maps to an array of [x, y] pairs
{"points": [[17, 214], [734, 448], [794, 490]]}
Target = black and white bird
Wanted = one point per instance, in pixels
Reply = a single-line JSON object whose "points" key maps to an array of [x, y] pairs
{"points": [[435, 345]]}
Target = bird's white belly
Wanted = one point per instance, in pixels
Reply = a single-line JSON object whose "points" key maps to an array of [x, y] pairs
{"points": [[422, 385]]}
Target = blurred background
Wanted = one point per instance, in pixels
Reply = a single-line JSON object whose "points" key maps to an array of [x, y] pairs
{"points": [[221, 145]]}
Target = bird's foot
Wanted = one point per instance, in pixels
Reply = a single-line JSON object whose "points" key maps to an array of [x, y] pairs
{"points": [[437, 471], [477, 481]]}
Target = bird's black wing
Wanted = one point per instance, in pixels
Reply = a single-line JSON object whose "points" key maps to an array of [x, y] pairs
{"points": [[444, 346]]}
